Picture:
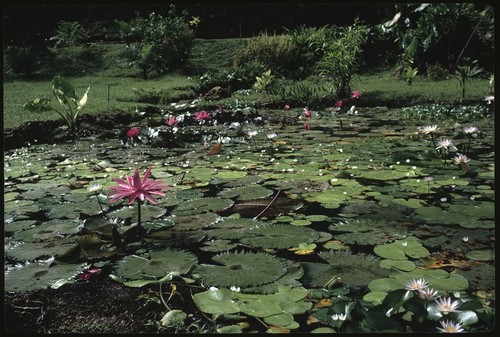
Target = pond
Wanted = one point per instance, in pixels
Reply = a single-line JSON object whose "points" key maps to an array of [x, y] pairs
{"points": [[290, 218]]}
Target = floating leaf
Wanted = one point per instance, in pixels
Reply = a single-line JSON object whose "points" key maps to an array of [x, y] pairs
{"points": [[241, 269], [35, 276], [246, 192], [49, 231], [202, 205], [157, 266], [266, 207], [481, 255], [279, 236], [401, 249]]}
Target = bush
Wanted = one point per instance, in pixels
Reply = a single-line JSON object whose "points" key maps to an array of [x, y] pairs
{"points": [[273, 51], [306, 92], [341, 58], [308, 47], [69, 34], [435, 72], [21, 60], [164, 42]]}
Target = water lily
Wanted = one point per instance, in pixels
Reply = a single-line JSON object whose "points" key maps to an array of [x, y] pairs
{"points": [[352, 111], [356, 94], [307, 127], [463, 162], [448, 326], [171, 121], [133, 132], [272, 135], [472, 132], [94, 188], [135, 188], [445, 305], [416, 285], [339, 104], [444, 144], [428, 129], [307, 112], [152, 133], [489, 99], [427, 294], [202, 116], [471, 129], [339, 317], [461, 159], [287, 106]]}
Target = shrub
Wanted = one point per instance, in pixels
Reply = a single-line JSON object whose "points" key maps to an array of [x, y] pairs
{"points": [[308, 47], [435, 72], [165, 42], [304, 92], [69, 34], [273, 51], [341, 57], [21, 60]]}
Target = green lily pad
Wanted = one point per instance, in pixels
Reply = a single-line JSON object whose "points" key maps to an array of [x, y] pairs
{"points": [[481, 255], [279, 236], [148, 212], [402, 249], [49, 231], [35, 276], [159, 264], [246, 192], [241, 269], [30, 251], [223, 301], [202, 205]]}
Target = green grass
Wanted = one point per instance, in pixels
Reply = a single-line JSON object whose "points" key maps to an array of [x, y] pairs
{"points": [[121, 95], [384, 86], [207, 55]]}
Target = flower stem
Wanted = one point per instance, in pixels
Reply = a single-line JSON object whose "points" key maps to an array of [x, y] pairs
{"points": [[98, 201], [139, 218]]}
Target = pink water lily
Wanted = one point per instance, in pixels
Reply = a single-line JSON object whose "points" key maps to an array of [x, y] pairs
{"points": [[202, 116], [134, 188], [171, 121], [356, 94]]}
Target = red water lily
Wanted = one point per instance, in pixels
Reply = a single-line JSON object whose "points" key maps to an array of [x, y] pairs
{"points": [[133, 132], [133, 188]]}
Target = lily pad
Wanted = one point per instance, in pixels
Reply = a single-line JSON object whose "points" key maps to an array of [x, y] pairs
{"points": [[159, 264], [246, 192], [402, 249], [279, 236], [35, 276], [202, 205], [241, 269]]}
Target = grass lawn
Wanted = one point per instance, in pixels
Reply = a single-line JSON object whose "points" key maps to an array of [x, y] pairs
{"points": [[113, 88]]}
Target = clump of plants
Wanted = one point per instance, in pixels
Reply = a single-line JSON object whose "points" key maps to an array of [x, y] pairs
{"points": [[70, 104]]}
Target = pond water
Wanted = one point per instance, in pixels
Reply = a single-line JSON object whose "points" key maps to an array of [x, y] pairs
{"points": [[365, 202]]}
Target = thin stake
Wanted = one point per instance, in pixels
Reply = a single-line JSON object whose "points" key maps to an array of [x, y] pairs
{"points": [[270, 204]]}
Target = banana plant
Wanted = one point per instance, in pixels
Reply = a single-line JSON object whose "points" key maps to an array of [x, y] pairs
{"points": [[70, 103]]}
